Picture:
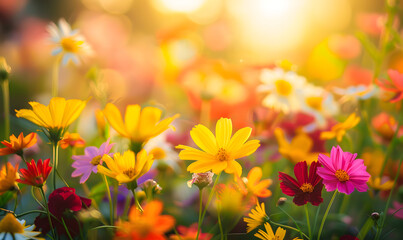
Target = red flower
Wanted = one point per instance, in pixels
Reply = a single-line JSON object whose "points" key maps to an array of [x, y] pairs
{"points": [[63, 204], [35, 174], [395, 86], [305, 188]]}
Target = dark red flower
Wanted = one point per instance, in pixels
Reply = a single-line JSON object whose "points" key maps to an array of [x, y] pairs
{"points": [[348, 237], [63, 203], [35, 174], [305, 188]]}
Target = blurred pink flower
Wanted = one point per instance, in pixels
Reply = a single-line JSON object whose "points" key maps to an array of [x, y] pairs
{"points": [[398, 208], [373, 23], [345, 46], [394, 86]]}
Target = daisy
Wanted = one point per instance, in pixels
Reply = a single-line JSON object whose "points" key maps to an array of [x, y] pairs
{"points": [[256, 218], [69, 43], [218, 152], [163, 151], [87, 163], [11, 228], [343, 172], [282, 88]]}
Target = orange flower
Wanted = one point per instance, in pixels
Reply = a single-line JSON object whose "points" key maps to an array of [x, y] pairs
{"points": [[8, 177], [72, 140], [16, 145], [149, 225], [257, 187]]}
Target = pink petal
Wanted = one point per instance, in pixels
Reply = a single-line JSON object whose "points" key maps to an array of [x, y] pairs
{"points": [[326, 162], [361, 187], [326, 174], [396, 78]]}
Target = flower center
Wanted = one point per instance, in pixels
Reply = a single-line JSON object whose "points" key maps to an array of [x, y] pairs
{"points": [[307, 188], [222, 155], [96, 160], [342, 175], [283, 87], [158, 153], [70, 45], [314, 102], [129, 172], [10, 224]]}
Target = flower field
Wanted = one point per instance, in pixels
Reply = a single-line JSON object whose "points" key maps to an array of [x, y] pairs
{"points": [[201, 119]]}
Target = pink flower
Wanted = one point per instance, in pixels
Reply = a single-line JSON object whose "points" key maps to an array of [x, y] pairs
{"points": [[395, 85], [397, 210], [85, 164], [343, 172]]}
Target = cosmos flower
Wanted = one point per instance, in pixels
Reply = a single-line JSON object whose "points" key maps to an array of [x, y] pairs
{"points": [[395, 85], [140, 125], [255, 185], [54, 118], [8, 178], [69, 43], [281, 87], [71, 140], [218, 152], [306, 188], [16, 145], [35, 174], [256, 218], [343, 172], [11, 228], [189, 233], [87, 163], [339, 130], [148, 225], [126, 168]]}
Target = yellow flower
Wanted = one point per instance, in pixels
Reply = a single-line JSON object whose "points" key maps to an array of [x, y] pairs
{"points": [[298, 150], [380, 184], [218, 152], [10, 225], [269, 234], [340, 129], [256, 218], [126, 168], [139, 125], [55, 117], [8, 175], [257, 186]]}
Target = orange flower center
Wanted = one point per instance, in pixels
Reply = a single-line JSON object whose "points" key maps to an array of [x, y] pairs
{"points": [[222, 155], [283, 87], [342, 175], [129, 172], [96, 160], [10, 224], [158, 153], [307, 188], [314, 102], [69, 45]]}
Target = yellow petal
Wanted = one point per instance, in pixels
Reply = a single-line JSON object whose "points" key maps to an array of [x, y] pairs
{"points": [[149, 117], [204, 166], [239, 139], [163, 125], [280, 233], [302, 142], [114, 118], [30, 116], [72, 111], [327, 135], [223, 132], [234, 167], [254, 175], [204, 138], [132, 117], [269, 230], [111, 163], [247, 149], [56, 108], [195, 154], [42, 112], [105, 171]]}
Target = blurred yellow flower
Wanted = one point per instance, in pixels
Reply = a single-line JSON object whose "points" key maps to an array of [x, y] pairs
{"points": [[72, 140], [380, 184], [339, 130], [255, 186], [55, 117], [8, 175], [298, 150], [140, 125], [256, 218], [126, 168], [218, 152]]}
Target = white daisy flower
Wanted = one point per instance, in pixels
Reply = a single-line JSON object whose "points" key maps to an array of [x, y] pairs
{"points": [[282, 88], [13, 229], [69, 43], [162, 150], [357, 92]]}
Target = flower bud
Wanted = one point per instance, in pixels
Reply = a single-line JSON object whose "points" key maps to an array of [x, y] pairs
{"points": [[201, 180], [281, 201], [375, 216], [4, 69]]}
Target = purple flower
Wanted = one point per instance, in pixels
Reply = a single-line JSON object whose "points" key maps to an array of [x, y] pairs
{"points": [[85, 164], [343, 172]]}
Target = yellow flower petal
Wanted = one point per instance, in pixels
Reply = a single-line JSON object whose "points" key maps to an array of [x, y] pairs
{"points": [[72, 111], [149, 117], [254, 175], [204, 166], [42, 112], [204, 139], [30, 116], [248, 148], [234, 167], [132, 117], [223, 132], [114, 118], [239, 138]]}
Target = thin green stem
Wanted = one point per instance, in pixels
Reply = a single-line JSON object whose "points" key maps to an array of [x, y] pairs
{"points": [[6, 108], [47, 212], [55, 77], [136, 201], [110, 200], [378, 233], [200, 212], [37, 201], [285, 226], [54, 147], [67, 230], [219, 221], [295, 222], [307, 220], [177, 234], [326, 213], [29, 212]]}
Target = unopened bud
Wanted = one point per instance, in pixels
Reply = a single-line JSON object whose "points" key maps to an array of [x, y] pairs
{"points": [[375, 216], [281, 201], [4, 69], [152, 185], [201, 180]]}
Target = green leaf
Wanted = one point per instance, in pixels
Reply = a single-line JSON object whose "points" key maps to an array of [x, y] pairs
{"points": [[5, 198]]}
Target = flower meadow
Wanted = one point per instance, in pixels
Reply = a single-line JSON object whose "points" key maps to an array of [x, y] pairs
{"points": [[201, 120]]}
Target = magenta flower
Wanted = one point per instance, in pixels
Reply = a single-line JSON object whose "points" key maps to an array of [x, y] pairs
{"points": [[87, 163], [343, 172]]}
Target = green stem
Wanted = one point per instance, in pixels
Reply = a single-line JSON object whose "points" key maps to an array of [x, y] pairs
{"points": [[55, 77], [54, 156], [29, 212], [137, 201], [47, 211], [37, 201], [389, 150], [326, 213], [6, 108], [67, 230], [110, 199], [200, 212], [219, 221], [285, 226], [295, 222], [308, 221], [177, 234], [378, 233]]}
